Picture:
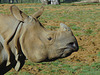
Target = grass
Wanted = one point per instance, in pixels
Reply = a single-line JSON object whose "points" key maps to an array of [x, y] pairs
{"points": [[98, 29], [88, 32], [10, 73], [52, 27], [59, 67], [98, 54], [24, 73], [20, 73], [93, 69]]}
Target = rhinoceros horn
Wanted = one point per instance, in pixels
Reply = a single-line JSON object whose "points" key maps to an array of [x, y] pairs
{"points": [[64, 27]]}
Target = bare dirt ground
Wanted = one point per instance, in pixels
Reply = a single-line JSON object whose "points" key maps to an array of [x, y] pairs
{"points": [[89, 45]]}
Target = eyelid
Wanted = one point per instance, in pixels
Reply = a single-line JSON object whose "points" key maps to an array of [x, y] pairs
{"points": [[49, 38]]}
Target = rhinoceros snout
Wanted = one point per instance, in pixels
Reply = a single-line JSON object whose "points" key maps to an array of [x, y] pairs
{"points": [[73, 46]]}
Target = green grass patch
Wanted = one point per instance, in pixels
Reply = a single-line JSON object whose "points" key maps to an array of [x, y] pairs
{"points": [[74, 26], [10, 73], [24, 73], [98, 54], [98, 29], [93, 69], [52, 27], [29, 63], [88, 31], [28, 11], [78, 34]]}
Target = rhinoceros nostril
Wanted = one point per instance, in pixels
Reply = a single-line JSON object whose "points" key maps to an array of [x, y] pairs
{"points": [[72, 45]]}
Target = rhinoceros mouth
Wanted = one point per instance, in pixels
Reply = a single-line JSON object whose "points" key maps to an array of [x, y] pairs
{"points": [[72, 47], [69, 50], [66, 52]]}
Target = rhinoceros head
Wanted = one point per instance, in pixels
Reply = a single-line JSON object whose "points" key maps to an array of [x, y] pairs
{"points": [[38, 43]]}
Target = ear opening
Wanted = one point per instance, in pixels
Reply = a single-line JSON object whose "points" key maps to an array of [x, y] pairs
{"points": [[38, 13], [17, 13]]}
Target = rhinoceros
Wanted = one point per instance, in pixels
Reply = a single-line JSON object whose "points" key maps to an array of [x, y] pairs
{"points": [[24, 37]]}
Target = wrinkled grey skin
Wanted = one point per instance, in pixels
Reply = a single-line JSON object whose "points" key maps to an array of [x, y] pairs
{"points": [[23, 36]]}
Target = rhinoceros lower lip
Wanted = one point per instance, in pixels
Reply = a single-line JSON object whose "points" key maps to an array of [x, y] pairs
{"points": [[67, 49], [66, 52]]}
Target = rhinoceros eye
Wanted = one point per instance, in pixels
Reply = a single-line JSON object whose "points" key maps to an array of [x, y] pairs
{"points": [[49, 38]]}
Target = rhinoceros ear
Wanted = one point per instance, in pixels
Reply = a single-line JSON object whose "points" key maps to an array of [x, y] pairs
{"points": [[38, 13], [18, 14], [64, 27]]}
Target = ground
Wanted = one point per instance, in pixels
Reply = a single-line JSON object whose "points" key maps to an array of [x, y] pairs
{"points": [[84, 20]]}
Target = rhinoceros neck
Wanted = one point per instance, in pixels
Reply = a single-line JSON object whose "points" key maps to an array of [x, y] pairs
{"points": [[7, 25], [3, 53]]}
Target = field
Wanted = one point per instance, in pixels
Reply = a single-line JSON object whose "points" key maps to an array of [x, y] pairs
{"points": [[84, 20]]}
